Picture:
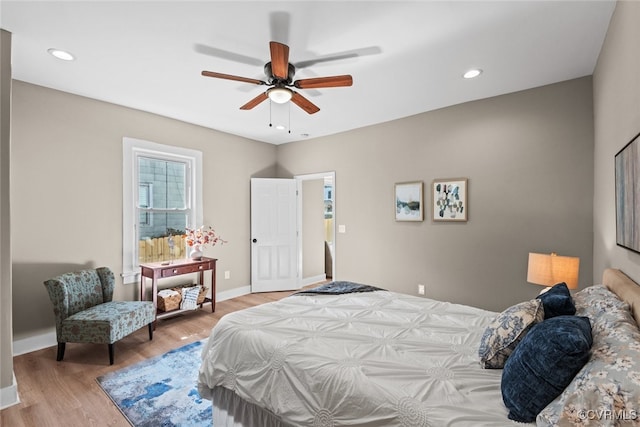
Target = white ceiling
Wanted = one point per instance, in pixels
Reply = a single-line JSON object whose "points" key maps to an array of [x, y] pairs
{"points": [[405, 57]]}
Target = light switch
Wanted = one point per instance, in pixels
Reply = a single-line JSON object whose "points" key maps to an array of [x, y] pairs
{"points": [[342, 228]]}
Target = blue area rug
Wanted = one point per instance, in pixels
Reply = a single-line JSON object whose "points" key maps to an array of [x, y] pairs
{"points": [[162, 391]]}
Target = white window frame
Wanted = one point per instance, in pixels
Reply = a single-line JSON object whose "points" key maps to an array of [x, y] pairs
{"points": [[133, 148]]}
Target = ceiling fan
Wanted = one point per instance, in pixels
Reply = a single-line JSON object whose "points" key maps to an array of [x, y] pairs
{"points": [[280, 72]]}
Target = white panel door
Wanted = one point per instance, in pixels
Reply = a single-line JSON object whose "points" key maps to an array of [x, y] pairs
{"points": [[273, 235]]}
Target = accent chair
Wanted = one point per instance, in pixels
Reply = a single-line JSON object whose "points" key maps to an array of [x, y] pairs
{"points": [[85, 312]]}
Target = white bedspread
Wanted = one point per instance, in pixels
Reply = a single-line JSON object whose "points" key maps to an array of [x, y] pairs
{"points": [[375, 359]]}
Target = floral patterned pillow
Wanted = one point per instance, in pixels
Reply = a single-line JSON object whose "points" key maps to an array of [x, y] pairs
{"points": [[505, 332], [606, 392]]}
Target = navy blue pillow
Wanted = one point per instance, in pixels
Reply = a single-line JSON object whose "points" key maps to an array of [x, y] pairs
{"points": [[543, 365], [557, 301]]}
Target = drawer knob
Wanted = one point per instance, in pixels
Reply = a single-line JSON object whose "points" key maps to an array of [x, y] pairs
{"points": [[175, 271]]}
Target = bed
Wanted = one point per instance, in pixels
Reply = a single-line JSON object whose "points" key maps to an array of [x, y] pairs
{"points": [[380, 358]]}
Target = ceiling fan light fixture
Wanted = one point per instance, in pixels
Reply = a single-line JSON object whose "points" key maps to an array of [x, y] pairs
{"points": [[279, 95]]}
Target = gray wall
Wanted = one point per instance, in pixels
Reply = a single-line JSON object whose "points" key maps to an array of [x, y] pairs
{"points": [[67, 192], [529, 160], [616, 87]]}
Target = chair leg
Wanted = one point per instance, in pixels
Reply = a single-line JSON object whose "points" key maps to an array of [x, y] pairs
{"points": [[61, 346], [150, 331], [111, 354]]}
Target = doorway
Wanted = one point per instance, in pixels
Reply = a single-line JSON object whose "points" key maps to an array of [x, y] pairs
{"points": [[316, 219]]}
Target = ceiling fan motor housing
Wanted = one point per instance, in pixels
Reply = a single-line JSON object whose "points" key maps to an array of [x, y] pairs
{"points": [[272, 80]]}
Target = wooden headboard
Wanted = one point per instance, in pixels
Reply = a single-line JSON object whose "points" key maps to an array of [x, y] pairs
{"points": [[626, 289]]}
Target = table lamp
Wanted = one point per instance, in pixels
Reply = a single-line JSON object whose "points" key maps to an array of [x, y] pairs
{"points": [[549, 269]]}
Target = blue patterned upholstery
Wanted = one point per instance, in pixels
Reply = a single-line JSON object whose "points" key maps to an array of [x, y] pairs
{"points": [[85, 312]]}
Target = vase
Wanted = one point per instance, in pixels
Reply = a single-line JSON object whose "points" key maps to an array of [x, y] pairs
{"points": [[196, 253]]}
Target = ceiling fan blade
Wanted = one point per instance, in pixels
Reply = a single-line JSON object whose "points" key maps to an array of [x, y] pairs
{"points": [[304, 103], [355, 53], [232, 77], [255, 101], [279, 60], [225, 54], [319, 82]]}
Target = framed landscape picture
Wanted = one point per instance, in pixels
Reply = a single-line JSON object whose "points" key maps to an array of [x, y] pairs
{"points": [[627, 165], [449, 199], [409, 203]]}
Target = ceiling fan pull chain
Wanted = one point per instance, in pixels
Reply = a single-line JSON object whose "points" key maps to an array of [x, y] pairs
{"points": [[289, 117], [270, 120]]}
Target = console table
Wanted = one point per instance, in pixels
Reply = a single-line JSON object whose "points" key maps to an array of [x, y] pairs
{"points": [[161, 270]]}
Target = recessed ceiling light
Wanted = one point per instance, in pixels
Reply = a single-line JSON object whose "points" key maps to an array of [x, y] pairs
{"points": [[61, 54], [474, 72]]}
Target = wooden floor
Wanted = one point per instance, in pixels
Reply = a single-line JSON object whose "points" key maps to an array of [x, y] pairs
{"points": [[66, 393]]}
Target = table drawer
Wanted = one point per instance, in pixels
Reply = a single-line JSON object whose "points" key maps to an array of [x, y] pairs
{"points": [[176, 271]]}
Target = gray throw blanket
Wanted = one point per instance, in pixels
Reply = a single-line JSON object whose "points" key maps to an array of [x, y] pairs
{"points": [[339, 287]]}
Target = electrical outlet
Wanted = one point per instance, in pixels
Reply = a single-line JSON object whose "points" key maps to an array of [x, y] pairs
{"points": [[227, 274], [421, 289]]}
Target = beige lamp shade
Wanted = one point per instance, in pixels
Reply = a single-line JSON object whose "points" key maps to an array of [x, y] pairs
{"points": [[549, 269]]}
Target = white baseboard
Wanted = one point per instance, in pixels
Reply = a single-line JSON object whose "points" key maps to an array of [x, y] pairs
{"points": [[233, 293], [48, 339], [9, 395], [36, 342], [314, 279]]}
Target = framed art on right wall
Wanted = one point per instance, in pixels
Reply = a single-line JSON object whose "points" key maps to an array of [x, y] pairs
{"points": [[449, 199], [627, 164]]}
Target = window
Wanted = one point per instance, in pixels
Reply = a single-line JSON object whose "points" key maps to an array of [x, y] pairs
{"points": [[145, 193], [162, 196]]}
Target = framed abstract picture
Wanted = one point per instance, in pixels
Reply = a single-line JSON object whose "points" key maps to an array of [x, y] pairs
{"points": [[449, 199], [627, 165], [408, 201]]}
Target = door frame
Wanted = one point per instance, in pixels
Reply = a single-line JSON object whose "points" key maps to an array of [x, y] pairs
{"points": [[299, 180]]}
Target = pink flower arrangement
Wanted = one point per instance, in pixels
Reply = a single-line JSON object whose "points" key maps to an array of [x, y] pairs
{"points": [[202, 236]]}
